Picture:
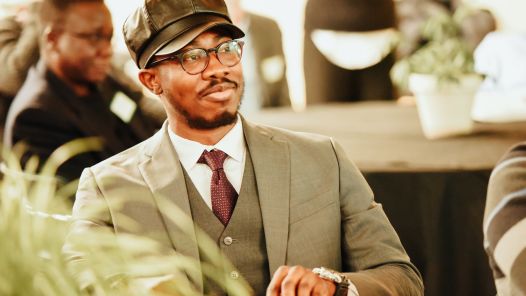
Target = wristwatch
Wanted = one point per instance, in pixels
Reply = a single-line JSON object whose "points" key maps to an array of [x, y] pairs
{"points": [[343, 284]]}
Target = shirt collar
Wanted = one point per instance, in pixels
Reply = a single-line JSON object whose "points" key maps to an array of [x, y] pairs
{"points": [[233, 144]]}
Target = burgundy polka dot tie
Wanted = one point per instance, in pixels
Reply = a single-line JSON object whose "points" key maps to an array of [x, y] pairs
{"points": [[224, 196]]}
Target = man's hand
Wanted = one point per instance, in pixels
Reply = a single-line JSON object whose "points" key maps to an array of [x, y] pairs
{"points": [[298, 280]]}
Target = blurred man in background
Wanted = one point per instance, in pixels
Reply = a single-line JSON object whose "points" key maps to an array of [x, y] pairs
{"points": [[69, 93]]}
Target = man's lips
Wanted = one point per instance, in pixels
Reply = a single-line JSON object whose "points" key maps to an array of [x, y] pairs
{"points": [[219, 91], [217, 88]]}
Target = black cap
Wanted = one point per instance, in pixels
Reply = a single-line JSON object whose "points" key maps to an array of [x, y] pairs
{"points": [[165, 26]]}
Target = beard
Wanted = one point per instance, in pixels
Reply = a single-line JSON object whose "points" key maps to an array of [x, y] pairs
{"points": [[201, 123]]}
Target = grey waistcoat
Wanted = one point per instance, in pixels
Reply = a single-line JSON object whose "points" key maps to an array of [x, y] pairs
{"points": [[243, 239]]}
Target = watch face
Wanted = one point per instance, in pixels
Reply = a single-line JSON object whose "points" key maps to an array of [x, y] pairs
{"points": [[328, 274], [337, 278], [341, 281]]}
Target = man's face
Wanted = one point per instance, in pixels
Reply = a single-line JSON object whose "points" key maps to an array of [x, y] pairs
{"points": [[83, 46], [206, 100]]}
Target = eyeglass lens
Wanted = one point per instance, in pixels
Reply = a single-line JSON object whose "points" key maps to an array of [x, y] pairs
{"points": [[196, 60]]}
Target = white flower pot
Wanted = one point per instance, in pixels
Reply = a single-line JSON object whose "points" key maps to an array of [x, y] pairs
{"points": [[444, 107]]}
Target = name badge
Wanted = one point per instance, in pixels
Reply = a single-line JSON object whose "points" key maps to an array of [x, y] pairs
{"points": [[122, 106]]}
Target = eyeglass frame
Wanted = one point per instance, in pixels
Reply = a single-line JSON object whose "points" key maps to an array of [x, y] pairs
{"points": [[179, 56], [93, 38]]}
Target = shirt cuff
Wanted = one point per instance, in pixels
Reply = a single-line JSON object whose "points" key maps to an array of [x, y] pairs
{"points": [[352, 290]]}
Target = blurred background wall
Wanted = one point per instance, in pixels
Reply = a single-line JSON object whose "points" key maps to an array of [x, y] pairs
{"points": [[290, 16]]}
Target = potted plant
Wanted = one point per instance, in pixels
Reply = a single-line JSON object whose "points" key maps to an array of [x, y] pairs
{"points": [[441, 76]]}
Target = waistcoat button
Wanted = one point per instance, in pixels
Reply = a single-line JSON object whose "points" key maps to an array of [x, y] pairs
{"points": [[234, 274], [228, 240]]}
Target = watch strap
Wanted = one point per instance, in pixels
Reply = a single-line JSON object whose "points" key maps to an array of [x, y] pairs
{"points": [[342, 289]]}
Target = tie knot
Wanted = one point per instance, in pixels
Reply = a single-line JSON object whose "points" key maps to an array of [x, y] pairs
{"points": [[214, 159]]}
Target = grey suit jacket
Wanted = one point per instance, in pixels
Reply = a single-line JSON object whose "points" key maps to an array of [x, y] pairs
{"points": [[317, 209]]}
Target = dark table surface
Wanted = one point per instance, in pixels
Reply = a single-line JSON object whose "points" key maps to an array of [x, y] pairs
{"points": [[433, 191]]}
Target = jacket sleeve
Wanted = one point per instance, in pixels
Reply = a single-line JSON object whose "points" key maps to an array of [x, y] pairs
{"points": [[18, 51], [91, 217], [505, 222], [371, 250]]}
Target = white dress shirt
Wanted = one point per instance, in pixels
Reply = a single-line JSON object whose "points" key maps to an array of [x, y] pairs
{"points": [[189, 152]]}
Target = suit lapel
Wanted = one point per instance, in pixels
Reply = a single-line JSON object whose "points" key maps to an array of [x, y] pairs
{"points": [[271, 160], [163, 173]]}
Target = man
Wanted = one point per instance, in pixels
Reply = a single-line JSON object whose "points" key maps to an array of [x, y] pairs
{"points": [[71, 92], [263, 62], [505, 222], [280, 204]]}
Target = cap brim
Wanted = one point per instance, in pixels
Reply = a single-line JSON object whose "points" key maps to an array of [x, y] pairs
{"points": [[187, 37]]}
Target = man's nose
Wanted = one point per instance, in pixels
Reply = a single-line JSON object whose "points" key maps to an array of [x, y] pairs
{"points": [[105, 48], [215, 68]]}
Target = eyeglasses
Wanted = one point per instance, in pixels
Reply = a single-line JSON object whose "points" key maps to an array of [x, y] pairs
{"points": [[95, 38], [195, 60]]}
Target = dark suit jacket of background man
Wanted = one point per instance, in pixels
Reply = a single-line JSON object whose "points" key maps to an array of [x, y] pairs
{"points": [[46, 114], [267, 43]]}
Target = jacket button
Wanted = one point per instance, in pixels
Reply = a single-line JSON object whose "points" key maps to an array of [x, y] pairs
{"points": [[228, 240]]}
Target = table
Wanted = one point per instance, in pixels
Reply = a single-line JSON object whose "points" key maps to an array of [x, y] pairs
{"points": [[433, 191]]}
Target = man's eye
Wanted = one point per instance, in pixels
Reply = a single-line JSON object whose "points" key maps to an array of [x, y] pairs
{"points": [[228, 47], [192, 57]]}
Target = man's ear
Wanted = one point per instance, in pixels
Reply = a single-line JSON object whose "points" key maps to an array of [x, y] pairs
{"points": [[150, 79], [50, 38]]}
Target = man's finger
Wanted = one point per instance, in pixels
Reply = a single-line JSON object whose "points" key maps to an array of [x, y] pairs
{"points": [[274, 288], [289, 285], [324, 287], [307, 283]]}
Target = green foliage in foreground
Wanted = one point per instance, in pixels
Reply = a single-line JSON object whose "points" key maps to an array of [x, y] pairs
{"points": [[34, 224]]}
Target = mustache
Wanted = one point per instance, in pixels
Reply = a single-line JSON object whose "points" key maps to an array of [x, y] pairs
{"points": [[227, 83]]}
